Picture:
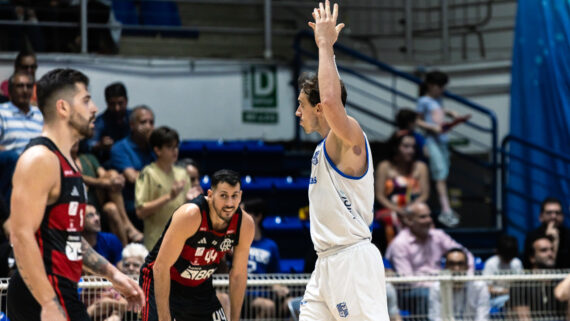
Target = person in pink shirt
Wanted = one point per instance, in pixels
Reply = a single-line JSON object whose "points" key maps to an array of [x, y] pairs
{"points": [[417, 250]]}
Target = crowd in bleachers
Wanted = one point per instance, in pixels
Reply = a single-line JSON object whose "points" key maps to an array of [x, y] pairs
{"points": [[136, 180]]}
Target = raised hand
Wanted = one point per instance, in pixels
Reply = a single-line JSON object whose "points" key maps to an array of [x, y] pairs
{"points": [[325, 28]]}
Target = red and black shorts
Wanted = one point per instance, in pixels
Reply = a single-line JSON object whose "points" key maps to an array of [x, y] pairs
{"points": [[21, 305], [186, 303]]}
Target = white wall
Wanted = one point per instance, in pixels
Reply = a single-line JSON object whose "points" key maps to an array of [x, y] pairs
{"points": [[200, 99], [203, 99]]}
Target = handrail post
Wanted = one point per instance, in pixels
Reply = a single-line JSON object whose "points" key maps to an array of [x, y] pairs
{"points": [[267, 53], [504, 181], [446, 292], [444, 31], [83, 27]]}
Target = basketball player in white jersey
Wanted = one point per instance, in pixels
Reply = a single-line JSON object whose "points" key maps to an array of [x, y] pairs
{"points": [[348, 281]]}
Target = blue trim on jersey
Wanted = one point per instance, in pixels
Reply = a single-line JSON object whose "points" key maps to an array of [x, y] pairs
{"points": [[338, 170]]}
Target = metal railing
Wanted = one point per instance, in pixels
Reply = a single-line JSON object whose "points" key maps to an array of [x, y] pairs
{"points": [[508, 158], [408, 21], [437, 297], [379, 90]]}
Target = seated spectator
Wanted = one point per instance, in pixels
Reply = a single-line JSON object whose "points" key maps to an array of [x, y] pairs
{"points": [[104, 191], [391, 295], [400, 181], [133, 258], [106, 244], [504, 261], [26, 62], [264, 258], [161, 187], [551, 223], [417, 250], [109, 305], [113, 124], [406, 119], [470, 299], [132, 153], [193, 172], [530, 300], [19, 122]]}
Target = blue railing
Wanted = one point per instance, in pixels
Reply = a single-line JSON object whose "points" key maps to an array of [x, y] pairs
{"points": [[491, 165], [508, 158]]}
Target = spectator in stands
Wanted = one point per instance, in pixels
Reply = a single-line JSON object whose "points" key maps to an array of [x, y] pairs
{"points": [[161, 187], [133, 258], [407, 119], [552, 224], [104, 191], [132, 153], [433, 122], [113, 124], [109, 305], [536, 298], [504, 261], [106, 244], [470, 299], [417, 250], [19, 122], [264, 258], [26, 62], [193, 171], [400, 181]]}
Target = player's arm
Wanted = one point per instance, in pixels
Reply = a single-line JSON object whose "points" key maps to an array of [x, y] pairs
{"points": [[97, 264], [28, 203], [185, 222], [238, 273], [326, 34]]}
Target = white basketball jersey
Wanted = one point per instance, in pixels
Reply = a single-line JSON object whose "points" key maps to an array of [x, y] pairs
{"points": [[340, 206]]}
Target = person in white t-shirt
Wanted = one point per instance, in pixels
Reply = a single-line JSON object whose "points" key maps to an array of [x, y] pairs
{"points": [[505, 261]]}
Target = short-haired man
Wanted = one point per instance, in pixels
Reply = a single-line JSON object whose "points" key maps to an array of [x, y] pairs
{"points": [[132, 153], [113, 124], [470, 299], [530, 300], [177, 273], [552, 224], [104, 243], [48, 207]]}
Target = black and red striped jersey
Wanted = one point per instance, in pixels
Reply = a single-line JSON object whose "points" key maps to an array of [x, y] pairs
{"points": [[203, 251], [59, 235]]}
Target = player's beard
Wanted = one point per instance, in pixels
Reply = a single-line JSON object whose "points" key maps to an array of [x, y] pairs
{"points": [[82, 125], [220, 213]]}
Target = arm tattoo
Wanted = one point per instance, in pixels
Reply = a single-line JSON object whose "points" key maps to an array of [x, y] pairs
{"points": [[59, 307], [93, 260]]}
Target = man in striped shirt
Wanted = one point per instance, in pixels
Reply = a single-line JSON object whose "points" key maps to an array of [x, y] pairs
{"points": [[19, 122]]}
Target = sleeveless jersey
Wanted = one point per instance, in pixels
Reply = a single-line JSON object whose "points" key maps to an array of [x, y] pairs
{"points": [[59, 235], [202, 252], [340, 206]]}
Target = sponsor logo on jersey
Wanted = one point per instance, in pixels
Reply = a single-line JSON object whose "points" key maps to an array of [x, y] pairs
{"points": [[345, 200], [313, 180], [202, 241], [214, 242], [199, 251], [72, 209], [342, 309], [197, 274], [67, 173], [73, 248]]}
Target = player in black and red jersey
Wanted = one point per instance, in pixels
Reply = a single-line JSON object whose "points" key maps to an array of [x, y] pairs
{"points": [[176, 277], [48, 207]]}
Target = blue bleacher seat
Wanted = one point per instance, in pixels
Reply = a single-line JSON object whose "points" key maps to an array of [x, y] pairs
{"points": [[159, 13], [292, 265], [125, 12]]}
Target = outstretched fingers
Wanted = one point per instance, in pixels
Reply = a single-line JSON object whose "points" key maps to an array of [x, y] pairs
{"points": [[335, 11]]}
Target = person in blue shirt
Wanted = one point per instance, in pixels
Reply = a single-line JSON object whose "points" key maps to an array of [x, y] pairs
{"points": [[113, 124], [106, 244], [264, 258], [430, 108], [132, 153]]}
